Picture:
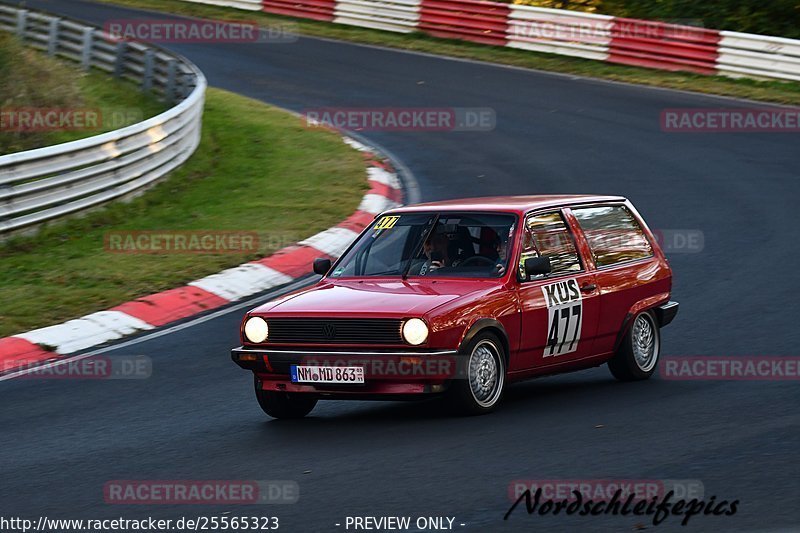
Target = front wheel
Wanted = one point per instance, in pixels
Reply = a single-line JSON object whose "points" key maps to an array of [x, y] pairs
{"points": [[284, 404], [480, 390], [637, 355]]}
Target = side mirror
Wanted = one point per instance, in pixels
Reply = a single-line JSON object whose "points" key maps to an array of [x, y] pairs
{"points": [[321, 266], [536, 266]]}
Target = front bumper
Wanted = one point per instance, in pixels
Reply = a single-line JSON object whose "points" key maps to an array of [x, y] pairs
{"points": [[387, 372]]}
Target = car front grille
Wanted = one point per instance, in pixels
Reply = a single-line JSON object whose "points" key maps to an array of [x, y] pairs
{"points": [[335, 330]]}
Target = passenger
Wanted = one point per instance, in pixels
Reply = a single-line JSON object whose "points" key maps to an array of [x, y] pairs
{"points": [[501, 247]]}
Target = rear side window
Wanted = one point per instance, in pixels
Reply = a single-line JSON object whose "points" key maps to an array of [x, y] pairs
{"points": [[613, 234], [547, 235]]}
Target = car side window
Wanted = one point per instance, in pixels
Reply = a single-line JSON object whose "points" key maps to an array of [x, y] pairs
{"points": [[613, 234], [547, 235]]}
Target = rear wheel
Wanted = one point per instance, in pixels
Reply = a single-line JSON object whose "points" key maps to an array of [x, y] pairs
{"points": [[284, 404], [480, 390], [637, 355]]}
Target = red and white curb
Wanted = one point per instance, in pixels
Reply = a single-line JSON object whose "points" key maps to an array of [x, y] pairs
{"points": [[148, 312]]}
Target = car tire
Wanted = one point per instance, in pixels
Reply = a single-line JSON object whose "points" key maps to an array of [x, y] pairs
{"points": [[637, 355], [284, 405], [480, 390]]}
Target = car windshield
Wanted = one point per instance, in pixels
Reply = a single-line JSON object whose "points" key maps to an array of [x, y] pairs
{"points": [[472, 245]]}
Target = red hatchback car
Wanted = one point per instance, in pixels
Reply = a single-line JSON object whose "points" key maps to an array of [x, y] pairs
{"points": [[462, 297]]}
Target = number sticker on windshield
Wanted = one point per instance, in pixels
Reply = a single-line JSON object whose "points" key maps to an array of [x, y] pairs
{"points": [[564, 312], [387, 222]]}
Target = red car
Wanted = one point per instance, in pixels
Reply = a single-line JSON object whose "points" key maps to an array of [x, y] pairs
{"points": [[462, 297]]}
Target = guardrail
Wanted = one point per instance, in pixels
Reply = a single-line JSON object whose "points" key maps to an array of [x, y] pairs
{"points": [[307, 9], [633, 42], [663, 46], [467, 20], [391, 15], [757, 56], [249, 5], [40, 185], [555, 31]]}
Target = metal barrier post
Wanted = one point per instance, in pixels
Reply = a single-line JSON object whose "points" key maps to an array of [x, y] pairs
{"points": [[52, 37], [147, 77], [86, 49], [22, 19], [169, 90], [119, 58]]}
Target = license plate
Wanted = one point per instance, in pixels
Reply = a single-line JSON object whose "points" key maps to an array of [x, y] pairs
{"points": [[327, 374]]}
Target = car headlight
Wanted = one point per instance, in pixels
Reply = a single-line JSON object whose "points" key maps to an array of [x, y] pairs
{"points": [[256, 329], [415, 331]]}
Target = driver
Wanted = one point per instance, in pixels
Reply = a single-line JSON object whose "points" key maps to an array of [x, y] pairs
{"points": [[493, 250]]}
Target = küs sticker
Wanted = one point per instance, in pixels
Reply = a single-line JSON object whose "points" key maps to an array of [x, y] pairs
{"points": [[564, 312]]}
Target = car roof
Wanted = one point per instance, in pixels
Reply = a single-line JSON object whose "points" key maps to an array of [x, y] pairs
{"points": [[514, 204]]}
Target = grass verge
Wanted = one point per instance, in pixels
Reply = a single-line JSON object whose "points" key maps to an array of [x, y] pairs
{"points": [[31, 80], [257, 169], [770, 91]]}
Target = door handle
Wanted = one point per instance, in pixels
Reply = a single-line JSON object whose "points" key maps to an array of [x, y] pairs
{"points": [[588, 288]]}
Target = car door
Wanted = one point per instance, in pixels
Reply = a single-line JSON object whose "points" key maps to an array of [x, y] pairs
{"points": [[558, 311]]}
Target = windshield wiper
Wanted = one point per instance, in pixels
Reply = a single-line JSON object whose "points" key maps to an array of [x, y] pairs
{"points": [[418, 245]]}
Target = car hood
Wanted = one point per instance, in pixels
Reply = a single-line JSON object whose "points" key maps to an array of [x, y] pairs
{"points": [[374, 298]]}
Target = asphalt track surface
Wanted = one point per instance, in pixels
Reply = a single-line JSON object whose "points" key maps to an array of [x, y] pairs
{"points": [[196, 418]]}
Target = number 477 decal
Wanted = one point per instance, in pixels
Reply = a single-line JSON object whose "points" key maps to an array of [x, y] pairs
{"points": [[564, 312]]}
